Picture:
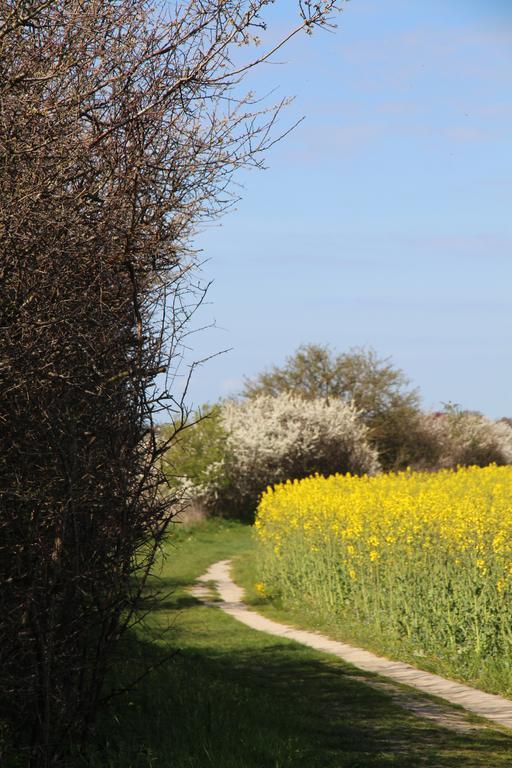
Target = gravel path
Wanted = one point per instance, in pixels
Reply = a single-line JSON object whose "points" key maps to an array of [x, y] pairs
{"points": [[489, 706]]}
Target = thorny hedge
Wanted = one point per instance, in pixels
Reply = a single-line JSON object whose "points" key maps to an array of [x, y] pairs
{"points": [[120, 130]]}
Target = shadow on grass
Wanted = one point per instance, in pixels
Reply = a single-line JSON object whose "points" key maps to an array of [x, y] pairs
{"points": [[169, 601], [236, 698], [258, 702]]}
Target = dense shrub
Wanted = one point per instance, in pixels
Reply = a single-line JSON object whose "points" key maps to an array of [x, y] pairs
{"points": [[272, 439], [237, 448], [195, 460], [465, 438], [200, 443], [403, 439], [122, 126]]}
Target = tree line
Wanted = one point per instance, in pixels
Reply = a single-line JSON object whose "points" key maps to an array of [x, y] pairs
{"points": [[323, 412]]}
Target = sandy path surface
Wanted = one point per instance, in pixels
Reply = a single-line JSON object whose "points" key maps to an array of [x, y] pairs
{"points": [[494, 708]]}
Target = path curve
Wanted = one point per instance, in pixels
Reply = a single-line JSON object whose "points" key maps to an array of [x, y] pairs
{"points": [[488, 705]]}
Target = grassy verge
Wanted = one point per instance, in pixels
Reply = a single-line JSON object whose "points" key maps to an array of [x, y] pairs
{"points": [[415, 562], [349, 630], [235, 698]]}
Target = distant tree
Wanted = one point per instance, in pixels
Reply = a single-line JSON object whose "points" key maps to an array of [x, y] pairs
{"points": [[379, 390], [313, 372]]}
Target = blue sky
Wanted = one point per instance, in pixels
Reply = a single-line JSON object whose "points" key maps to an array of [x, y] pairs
{"points": [[384, 219]]}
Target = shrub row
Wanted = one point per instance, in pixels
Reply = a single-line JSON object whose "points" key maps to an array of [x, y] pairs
{"points": [[265, 440], [238, 448]]}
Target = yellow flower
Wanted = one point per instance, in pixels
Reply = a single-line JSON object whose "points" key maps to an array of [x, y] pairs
{"points": [[442, 535]]}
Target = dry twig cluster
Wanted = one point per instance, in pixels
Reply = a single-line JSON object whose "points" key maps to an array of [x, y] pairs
{"points": [[120, 130]]}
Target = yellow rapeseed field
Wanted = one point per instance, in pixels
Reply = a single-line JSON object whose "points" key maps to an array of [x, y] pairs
{"points": [[423, 560]]}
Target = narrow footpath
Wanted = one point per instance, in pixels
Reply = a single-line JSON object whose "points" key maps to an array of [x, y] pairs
{"points": [[486, 705]]}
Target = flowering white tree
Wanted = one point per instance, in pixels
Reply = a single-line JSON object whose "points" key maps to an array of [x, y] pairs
{"points": [[463, 438], [273, 439]]}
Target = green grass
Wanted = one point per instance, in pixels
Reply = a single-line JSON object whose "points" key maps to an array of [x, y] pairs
{"points": [[348, 629], [235, 698]]}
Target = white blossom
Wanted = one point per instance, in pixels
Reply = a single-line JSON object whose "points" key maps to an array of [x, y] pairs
{"points": [[273, 439], [467, 438]]}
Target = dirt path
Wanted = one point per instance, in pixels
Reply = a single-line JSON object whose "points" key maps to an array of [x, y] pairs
{"points": [[489, 706]]}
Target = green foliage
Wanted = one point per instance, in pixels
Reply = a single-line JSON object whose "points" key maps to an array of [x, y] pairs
{"points": [[378, 390], [198, 446], [360, 375]]}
